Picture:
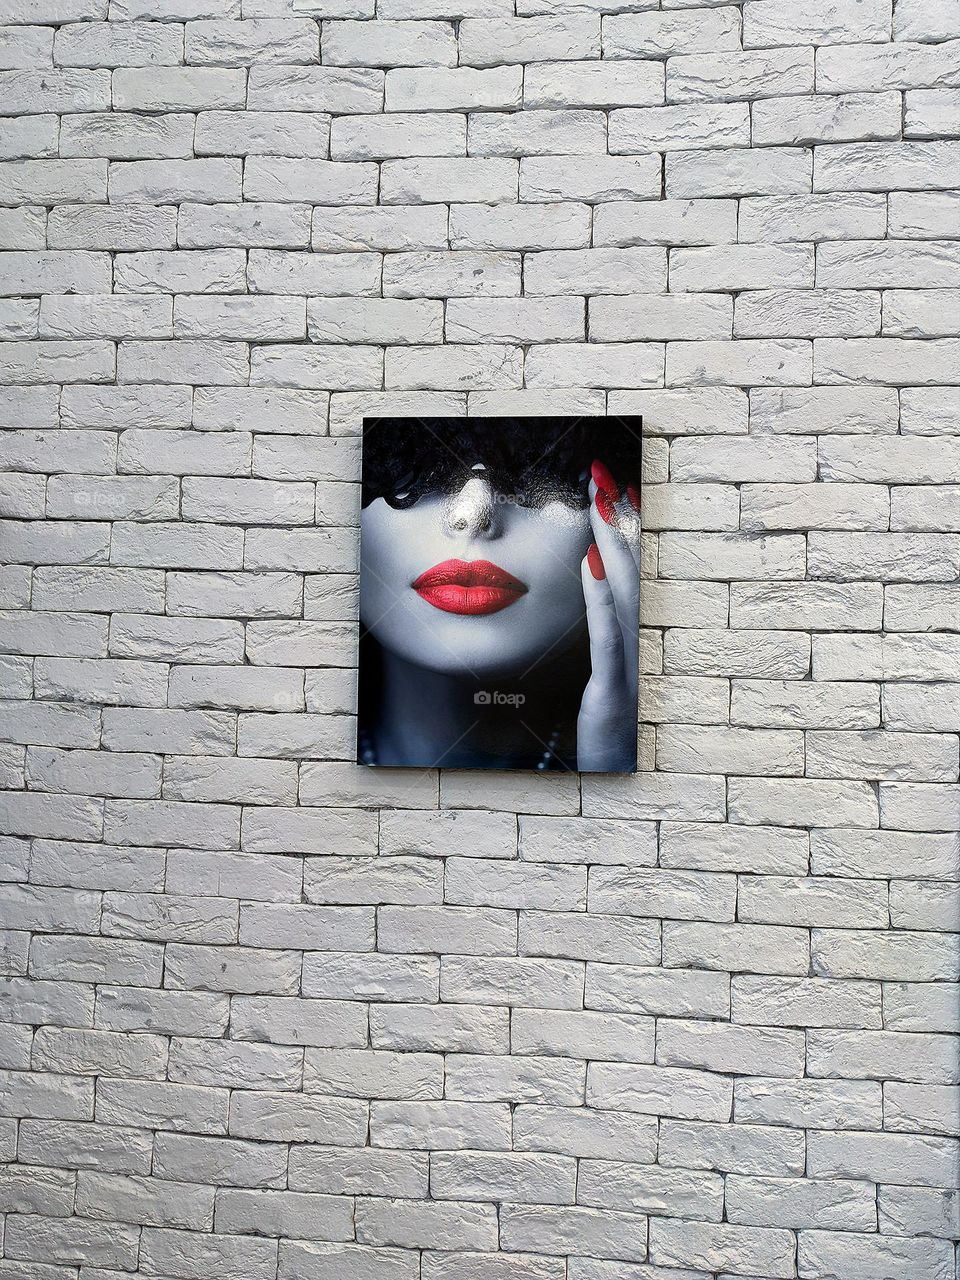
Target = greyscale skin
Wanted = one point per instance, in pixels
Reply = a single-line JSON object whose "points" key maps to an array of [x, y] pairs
{"points": [[431, 658]]}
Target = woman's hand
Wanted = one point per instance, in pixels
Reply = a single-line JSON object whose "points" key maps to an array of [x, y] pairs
{"points": [[610, 572]]}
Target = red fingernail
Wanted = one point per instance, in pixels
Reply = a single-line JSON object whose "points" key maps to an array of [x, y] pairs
{"points": [[603, 479], [605, 507], [595, 561], [634, 496]]}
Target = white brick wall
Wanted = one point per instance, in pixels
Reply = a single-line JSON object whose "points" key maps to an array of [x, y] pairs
{"points": [[269, 1016]]}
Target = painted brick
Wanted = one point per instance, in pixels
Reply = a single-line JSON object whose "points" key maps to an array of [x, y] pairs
{"points": [[267, 1015]]}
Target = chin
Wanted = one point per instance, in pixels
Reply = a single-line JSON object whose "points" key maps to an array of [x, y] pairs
{"points": [[469, 660]]}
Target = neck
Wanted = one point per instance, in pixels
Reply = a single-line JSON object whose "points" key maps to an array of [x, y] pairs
{"points": [[433, 719]]}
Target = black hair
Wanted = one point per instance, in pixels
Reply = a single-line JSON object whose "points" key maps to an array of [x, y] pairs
{"points": [[535, 460]]}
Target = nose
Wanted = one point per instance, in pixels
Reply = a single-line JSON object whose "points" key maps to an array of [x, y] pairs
{"points": [[472, 511]]}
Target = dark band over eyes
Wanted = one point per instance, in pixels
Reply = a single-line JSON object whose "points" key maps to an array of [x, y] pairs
{"points": [[531, 489], [531, 461]]}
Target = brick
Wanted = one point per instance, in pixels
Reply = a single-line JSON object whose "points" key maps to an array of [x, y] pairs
{"points": [[833, 216], [930, 263], [25, 181], [758, 1149], [261, 133], [540, 1179], [883, 956], [805, 1002], [793, 313], [912, 314], [592, 84], [881, 754], [604, 270], [668, 222], [322, 182], [775, 23], [445, 1225], [71, 1240], [901, 65], [883, 360], [823, 119], [187, 271], [373, 1075], [935, 1209], [537, 132], [679, 128], [450, 1126], [925, 217], [880, 166], [823, 1252], [887, 1055], [815, 1104], [379, 228], [657, 34], [516, 1079], [179, 88], [308, 88], [30, 92], [548, 178], [898, 1159], [598, 1231], [293, 1118], [424, 181], [931, 113], [798, 506], [722, 1245], [895, 557], [738, 172], [584, 1132], [522, 321], [453, 89], [748, 362], [253, 224], [134, 227], [388, 43], [549, 226], [487, 42], [257, 39], [145, 1200], [308, 1261], [727, 76], [918, 806], [741, 267], [719, 1047], [86, 1146], [613, 1184], [366, 1170]]}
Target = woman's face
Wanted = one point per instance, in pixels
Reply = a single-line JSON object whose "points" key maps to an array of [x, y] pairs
{"points": [[472, 582]]}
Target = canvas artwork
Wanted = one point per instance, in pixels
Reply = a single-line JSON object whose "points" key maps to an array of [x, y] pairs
{"points": [[499, 590]]}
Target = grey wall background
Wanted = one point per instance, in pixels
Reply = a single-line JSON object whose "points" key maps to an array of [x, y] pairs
{"points": [[269, 1014]]}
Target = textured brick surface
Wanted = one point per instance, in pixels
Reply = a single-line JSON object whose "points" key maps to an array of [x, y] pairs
{"points": [[268, 1016]]}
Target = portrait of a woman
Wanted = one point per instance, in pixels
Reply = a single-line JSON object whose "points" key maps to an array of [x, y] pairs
{"points": [[499, 586]]}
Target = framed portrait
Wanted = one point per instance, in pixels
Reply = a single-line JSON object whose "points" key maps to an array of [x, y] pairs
{"points": [[499, 593]]}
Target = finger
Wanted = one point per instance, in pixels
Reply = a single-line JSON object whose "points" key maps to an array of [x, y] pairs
{"points": [[620, 562], [603, 624], [618, 508], [629, 524], [617, 523]]}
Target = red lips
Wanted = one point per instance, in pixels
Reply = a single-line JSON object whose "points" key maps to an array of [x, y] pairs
{"points": [[469, 587]]}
